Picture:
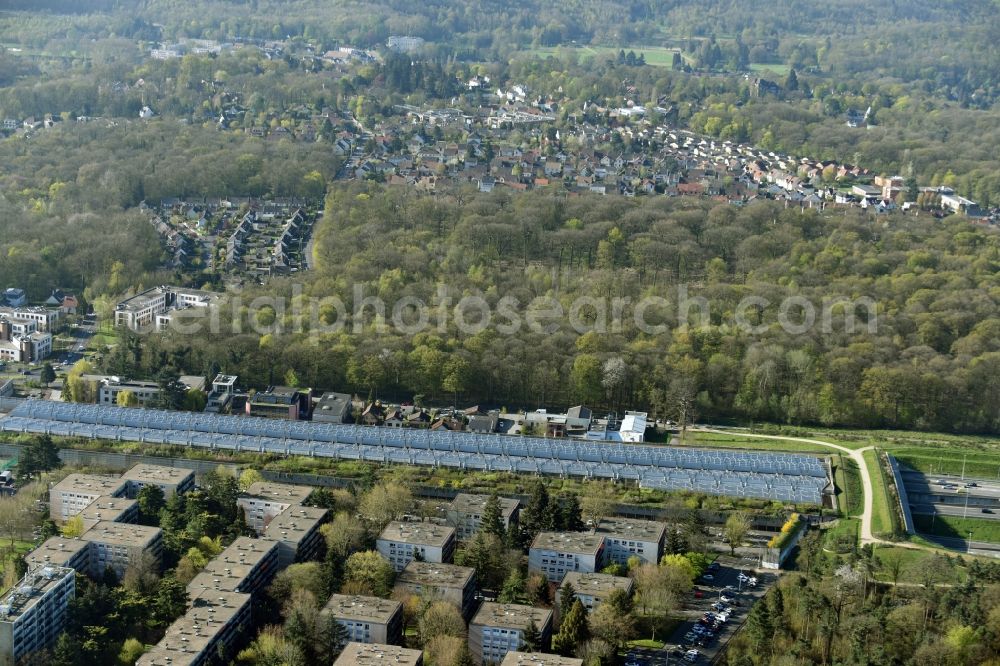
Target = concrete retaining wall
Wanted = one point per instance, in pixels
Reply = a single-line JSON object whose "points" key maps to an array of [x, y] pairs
{"points": [[904, 502]]}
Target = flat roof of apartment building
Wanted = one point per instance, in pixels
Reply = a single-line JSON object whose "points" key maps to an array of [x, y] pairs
{"points": [[90, 484], [511, 616], [158, 474], [362, 654], [29, 591], [277, 492], [56, 551], [208, 615], [538, 659], [109, 508], [475, 504], [431, 574], [580, 543], [591, 584], [122, 534], [227, 570], [627, 528], [295, 523], [359, 608], [423, 534]]}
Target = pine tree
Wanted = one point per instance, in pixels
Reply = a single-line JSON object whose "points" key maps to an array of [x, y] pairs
{"points": [[573, 632], [537, 515], [567, 595], [676, 542], [333, 636], [493, 517], [759, 628], [40, 455], [570, 518], [531, 638], [513, 588], [792, 82]]}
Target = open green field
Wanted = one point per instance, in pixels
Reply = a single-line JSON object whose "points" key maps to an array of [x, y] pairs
{"points": [[774, 68], [913, 563], [736, 441], [983, 529], [655, 55], [842, 537], [883, 516]]}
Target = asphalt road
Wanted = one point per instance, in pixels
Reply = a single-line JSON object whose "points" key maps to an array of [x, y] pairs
{"points": [[976, 548], [695, 608]]}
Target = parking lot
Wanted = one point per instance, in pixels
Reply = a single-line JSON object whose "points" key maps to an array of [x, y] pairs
{"points": [[712, 591]]}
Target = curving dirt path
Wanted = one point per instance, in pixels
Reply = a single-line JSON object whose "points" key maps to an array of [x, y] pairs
{"points": [[856, 454]]}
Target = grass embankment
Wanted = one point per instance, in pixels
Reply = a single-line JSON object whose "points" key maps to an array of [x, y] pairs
{"points": [[850, 490], [883, 516], [982, 529]]}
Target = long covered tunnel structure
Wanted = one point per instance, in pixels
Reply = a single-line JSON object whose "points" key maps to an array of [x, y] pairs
{"points": [[773, 476]]}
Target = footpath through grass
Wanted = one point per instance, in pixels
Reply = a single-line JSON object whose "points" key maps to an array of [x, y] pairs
{"points": [[735, 440], [956, 527]]}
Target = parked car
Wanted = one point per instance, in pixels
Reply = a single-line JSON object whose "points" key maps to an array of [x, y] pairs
{"points": [[698, 594], [726, 599], [708, 577], [691, 656]]}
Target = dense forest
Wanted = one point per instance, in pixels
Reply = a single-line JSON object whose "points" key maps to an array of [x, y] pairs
{"points": [[922, 353], [72, 222], [933, 610]]}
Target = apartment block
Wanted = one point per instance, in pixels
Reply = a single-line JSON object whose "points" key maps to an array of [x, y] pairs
{"points": [[263, 501], [401, 543], [625, 538], [332, 408], [61, 552], [33, 612], [113, 509], [538, 659], [593, 588], [247, 566], [215, 622], [76, 492], [296, 531], [371, 654], [499, 628], [155, 307], [367, 619], [449, 582], [171, 480], [554, 554], [116, 545], [465, 513], [146, 393], [44, 319], [280, 402]]}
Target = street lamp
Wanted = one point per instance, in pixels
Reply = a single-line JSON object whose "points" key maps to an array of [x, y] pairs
{"points": [[969, 548]]}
